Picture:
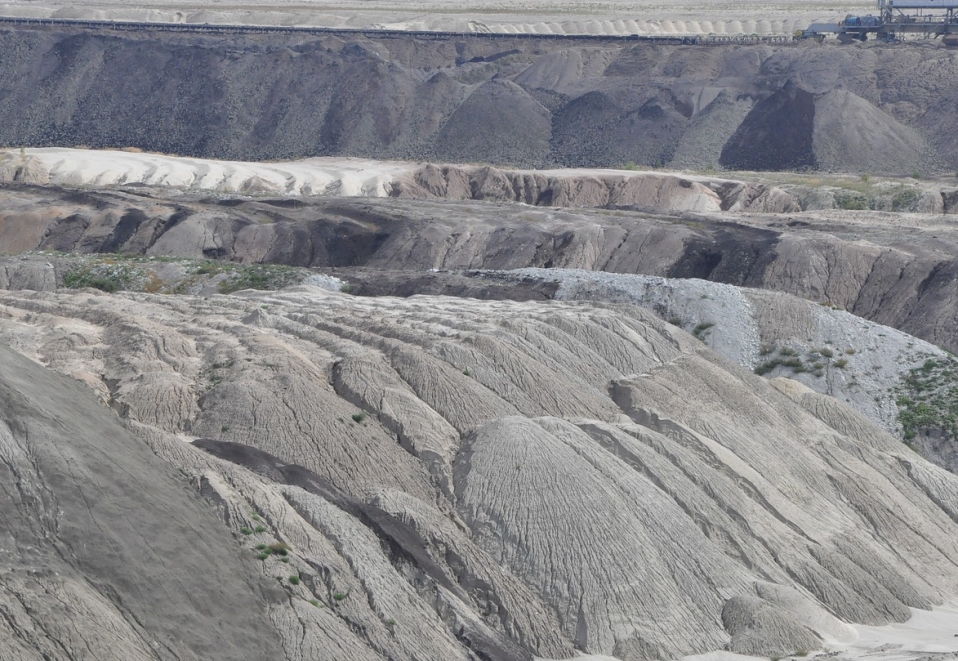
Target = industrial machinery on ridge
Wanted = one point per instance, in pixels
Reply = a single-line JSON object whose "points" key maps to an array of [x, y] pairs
{"points": [[896, 18]]}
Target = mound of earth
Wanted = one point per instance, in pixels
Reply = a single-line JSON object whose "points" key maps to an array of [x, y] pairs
{"points": [[834, 131], [518, 102], [744, 518]]}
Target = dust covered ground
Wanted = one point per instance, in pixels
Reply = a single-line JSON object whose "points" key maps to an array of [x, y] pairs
{"points": [[532, 16]]}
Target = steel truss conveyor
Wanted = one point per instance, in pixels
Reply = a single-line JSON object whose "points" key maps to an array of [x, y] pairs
{"points": [[896, 18]]}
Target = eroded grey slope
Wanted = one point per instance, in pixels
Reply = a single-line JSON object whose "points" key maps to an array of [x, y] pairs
{"points": [[453, 475], [107, 552]]}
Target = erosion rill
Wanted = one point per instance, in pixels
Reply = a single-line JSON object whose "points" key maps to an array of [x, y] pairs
{"points": [[487, 401]]}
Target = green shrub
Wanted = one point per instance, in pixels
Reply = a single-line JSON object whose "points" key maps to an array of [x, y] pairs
{"points": [[675, 321], [208, 268], [279, 548], [906, 200], [841, 363], [260, 276], [359, 417], [828, 353], [339, 596], [927, 398], [108, 285], [260, 528], [700, 329], [851, 201], [294, 579], [246, 531]]}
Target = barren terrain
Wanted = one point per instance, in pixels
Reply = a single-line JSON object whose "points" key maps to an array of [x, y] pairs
{"points": [[529, 103], [387, 346], [428, 498], [546, 17]]}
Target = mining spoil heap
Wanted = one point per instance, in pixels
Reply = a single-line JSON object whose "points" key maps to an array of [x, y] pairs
{"points": [[409, 347]]}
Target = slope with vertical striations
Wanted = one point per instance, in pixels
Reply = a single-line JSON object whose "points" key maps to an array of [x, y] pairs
{"points": [[451, 478]]}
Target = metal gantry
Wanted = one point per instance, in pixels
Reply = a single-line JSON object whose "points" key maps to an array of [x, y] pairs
{"points": [[896, 18]]}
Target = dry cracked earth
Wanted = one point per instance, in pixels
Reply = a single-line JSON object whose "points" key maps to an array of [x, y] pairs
{"points": [[478, 413]]}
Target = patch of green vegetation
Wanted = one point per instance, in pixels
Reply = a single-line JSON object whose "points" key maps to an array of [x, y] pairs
{"points": [[795, 364], [339, 596], [841, 363], [359, 417], [294, 579], [260, 528], [246, 530], [827, 353], [260, 276], [851, 201], [315, 602], [106, 274], [701, 329], [207, 268], [905, 200], [927, 398], [280, 549], [676, 321]]}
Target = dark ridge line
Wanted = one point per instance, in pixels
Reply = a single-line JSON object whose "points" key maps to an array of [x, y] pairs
{"points": [[207, 28]]}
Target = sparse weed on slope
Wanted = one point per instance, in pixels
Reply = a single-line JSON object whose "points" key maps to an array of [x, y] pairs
{"points": [[928, 398]]}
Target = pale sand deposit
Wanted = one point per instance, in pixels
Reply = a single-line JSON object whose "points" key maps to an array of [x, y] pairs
{"points": [[336, 176], [532, 16], [312, 176]]}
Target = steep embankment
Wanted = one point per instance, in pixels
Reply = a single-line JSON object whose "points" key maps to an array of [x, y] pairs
{"points": [[485, 531], [520, 102], [895, 269]]}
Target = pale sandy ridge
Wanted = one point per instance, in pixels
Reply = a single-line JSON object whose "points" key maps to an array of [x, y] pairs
{"points": [[312, 176], [534, 17], [341, 176]]}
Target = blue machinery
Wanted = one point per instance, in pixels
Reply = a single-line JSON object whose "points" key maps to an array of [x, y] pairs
{"points": [[930, 18]]}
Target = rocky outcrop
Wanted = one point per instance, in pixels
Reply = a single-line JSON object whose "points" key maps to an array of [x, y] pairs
{"points": [[398, 483]]}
